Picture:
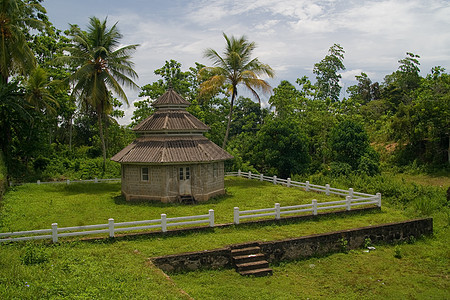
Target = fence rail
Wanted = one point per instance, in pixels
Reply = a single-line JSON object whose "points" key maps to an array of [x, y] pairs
{"points": [[313, 207], [111, 228], [305, 185], [352, 199], [95, 180]]}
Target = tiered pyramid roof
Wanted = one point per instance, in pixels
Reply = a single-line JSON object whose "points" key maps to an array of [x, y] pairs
{"points": [[171, 135]]}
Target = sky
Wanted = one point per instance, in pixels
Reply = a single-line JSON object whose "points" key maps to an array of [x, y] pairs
{"points": [[291, 35]]}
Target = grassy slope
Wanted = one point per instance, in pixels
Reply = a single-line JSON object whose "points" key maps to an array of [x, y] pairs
{"points": [[121, 269]]}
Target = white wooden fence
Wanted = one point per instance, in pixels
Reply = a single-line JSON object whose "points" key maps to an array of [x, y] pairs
{"points": [[95, 180], [352, 198], [314, 207], [305, 185], [111, 228]]}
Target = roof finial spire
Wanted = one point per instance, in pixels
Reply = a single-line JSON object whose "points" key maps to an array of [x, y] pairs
{"points": [[170, 85]]}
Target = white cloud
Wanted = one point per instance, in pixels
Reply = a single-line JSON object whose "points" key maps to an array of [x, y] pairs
{"points": [[291, 35]]}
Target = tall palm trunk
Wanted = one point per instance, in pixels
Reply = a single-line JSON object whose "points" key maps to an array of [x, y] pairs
{"points": [[102, 138], [225, 140]]}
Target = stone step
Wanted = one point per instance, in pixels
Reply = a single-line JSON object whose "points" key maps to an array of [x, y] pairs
{"points": [[257, 272], [244, 245], [245, 251], [255, 265], [240, 259]]}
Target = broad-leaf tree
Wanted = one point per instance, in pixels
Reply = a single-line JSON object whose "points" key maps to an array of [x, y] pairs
{"points": [[327, 73], [104, 66], [234, 67], [281, 148]]}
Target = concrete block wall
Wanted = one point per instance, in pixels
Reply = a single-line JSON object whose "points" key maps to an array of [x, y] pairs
{"points": [[163, 182]]}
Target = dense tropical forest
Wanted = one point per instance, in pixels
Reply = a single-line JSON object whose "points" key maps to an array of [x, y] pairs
{"points": [[61, 94]]}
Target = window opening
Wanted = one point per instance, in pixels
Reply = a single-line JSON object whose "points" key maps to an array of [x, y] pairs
{"points": [[144, 173]]}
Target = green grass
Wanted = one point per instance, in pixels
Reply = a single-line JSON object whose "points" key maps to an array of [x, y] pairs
{"points": [[121, 269], [34, 206], [421, 273]]}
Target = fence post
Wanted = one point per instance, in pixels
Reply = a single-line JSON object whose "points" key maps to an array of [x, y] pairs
{"points": [[349, 202], [261, 177], [239, 173], [211, 218], [68, 181], [111, 227], [350, 193], [249, 175], [38, 182], [327, 189], [55, 232], [236, 215], [277, 211], [274, 179], [307, 186], [163, 223], [314, 203], [96, 180], [289, 182], [379, 199]]}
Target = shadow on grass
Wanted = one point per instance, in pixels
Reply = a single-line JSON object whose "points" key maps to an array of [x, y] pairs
{"points": [[120, 200], [90, 188]]}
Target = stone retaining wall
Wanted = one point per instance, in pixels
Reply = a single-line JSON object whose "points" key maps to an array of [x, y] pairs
{"points": [[302, 247]]}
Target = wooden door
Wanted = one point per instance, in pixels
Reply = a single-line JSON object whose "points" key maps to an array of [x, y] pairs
{"points": [[184, 180]]}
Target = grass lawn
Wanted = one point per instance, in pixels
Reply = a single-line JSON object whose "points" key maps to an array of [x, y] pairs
{"points": [[121, 270], [32, 206]]}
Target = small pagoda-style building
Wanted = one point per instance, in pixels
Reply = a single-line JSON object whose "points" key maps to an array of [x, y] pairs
{"points": [[171, 160]]}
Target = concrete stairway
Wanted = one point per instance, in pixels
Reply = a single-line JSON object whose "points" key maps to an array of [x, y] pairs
{"points": [[249, 260]]}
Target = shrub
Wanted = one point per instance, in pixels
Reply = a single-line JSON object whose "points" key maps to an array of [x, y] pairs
{"points": [[340, 169], [34, 255]]}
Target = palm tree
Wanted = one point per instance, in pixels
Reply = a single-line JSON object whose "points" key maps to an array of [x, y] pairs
{"points": [[15, 55], [234, 68], [37, 91], [102, 67]]}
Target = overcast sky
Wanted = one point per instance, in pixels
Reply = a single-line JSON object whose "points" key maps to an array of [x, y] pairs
{"points": [[291, 35]]}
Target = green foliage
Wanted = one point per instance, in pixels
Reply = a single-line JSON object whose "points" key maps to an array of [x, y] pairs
{"points": [[17, 17], [350, 145], [102, 67], [288, 150], [34, 255], [286, 100], [235, 67], [3, 170], [398, 252], [343, 242], [338, 168], [327, 73], [349, 142], [61, 168], [111, 270], [367, 242]]}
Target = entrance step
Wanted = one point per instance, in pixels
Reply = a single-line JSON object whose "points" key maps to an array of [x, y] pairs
{"points": [[187, 199], [248, 260]]}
